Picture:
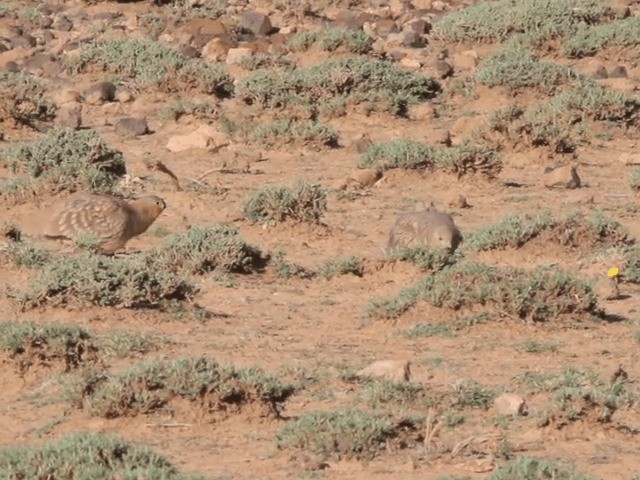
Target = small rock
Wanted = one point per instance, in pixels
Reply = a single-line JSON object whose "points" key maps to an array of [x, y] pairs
{"points": [[123, 95], [629, 158], [385, 26], [189, 51], [600, 73], [100, 92], [235, 55], [204, 137], [410, 63], [43, 63], [561, 177], [412, 40], [459, 201], [443, 69], [445, 138], [216, 49], [618, 72], [63, 95], [467, 60], [132, 126], [63, 24], [422, 111], [419, 26], [26, 41], [69, 116], [510, 404], [396, 370], [256, 22]]}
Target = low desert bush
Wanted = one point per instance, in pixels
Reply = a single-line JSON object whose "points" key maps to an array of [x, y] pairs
{"points": [[591, 39], [66, 159], [151, 384], [303, 202], [347, 433], [24, 99], [86, 455], [352, 79], [151, 63]]}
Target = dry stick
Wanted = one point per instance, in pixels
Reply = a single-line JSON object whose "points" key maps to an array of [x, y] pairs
{"points": [[161, 167], [431, 429], [169, 425]]}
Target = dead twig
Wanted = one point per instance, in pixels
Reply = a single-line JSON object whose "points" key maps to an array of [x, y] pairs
{"points": [[161, 167]]}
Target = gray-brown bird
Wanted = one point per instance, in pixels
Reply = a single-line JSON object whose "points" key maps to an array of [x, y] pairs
{"points": [[112, 220], [428, 227]]}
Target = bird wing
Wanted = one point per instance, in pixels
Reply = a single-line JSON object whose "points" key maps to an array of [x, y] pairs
{"points": [[100, 215]]}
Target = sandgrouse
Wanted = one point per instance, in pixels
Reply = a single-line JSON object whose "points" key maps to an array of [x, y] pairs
{"points": [[112, 220], [425, 227]]}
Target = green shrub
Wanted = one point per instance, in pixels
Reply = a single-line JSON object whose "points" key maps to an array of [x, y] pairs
{"points": [[304, 202], [66, 159], [576, 394], [592, 39], [538, 20], [348, 432], [198, 107], [30, 343], [634, 179], [354, 79], [151, 63], [537, 295], [470, 394], [341, 266], [285, 131], [515, 67], [573, 230], [205, 248], [24, 98], [151, 384], [425, 256], [104, 281], [410, 154], [330, 39], [86, 456]]}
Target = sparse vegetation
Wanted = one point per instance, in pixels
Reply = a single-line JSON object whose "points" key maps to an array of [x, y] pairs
{"points": [[382, 392], [24, 99], [425, 256], [299, 132], [634, 179], [65, 159], [577, 393], [470, 394], [105, 281], [411, 154], [348, 433], [86, 455], [534, 20], [198, 108], [303, 202], [29, 343], [330, 39], [515, 67], [150, 63], [355, 79], [151, 384], [531, 468], [342, 265], [574, 229], [538, 294], [591, 39], [205, 248]]}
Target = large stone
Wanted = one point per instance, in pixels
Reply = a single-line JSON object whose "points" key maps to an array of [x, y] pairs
{"points": [[256, 22], [100, 92], [132, 126], [235, 55], [510, 404], [69, 116]]}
